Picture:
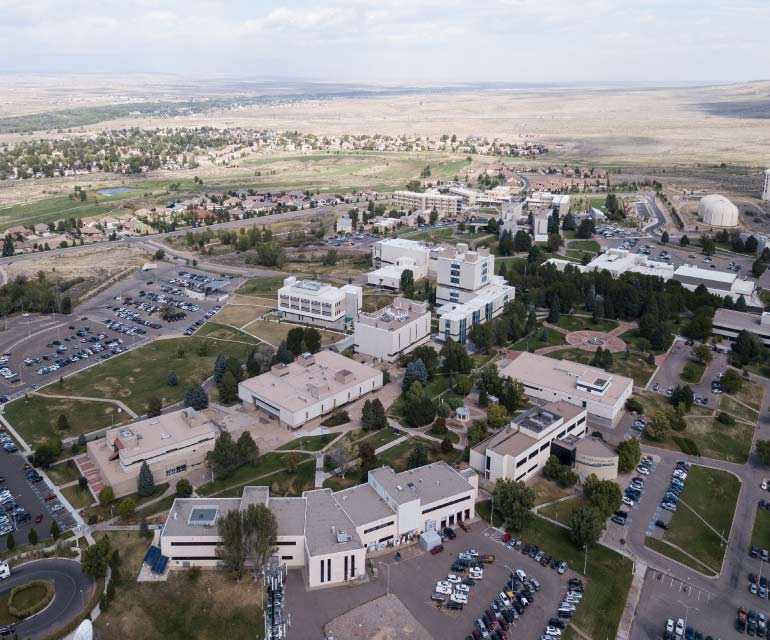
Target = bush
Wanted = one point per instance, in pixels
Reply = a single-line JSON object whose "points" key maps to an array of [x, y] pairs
{"points": [[726, 419], [33, 608], [632, 404], [193, 573], [687, 445], [336, 419]]}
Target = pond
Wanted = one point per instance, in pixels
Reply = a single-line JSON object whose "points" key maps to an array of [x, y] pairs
{"points": [[115, 191]]}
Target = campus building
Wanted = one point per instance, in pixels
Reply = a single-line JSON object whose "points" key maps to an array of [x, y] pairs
{"points": [[728, 324], [320, 304], [446, 206], [329, 534], [720, 283], [172, 444], [601, 393], [540, 219], [594, 456], [311, 386], [461, 273], [344, 225], [393, 330], [618, 261], [389, 276], [522, 448], [391, 251], [456, 319]]}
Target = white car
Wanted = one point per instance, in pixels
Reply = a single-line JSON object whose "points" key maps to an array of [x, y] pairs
{"points": [[764, 485], [571, 600], [460, 598], [574, 594], [643, 470], [440, 588], [669, 626], [505, 600], [476, 574], [680, 627], [521, 575], [462, 588], [554, 632], [452, 578], [628, 501]]}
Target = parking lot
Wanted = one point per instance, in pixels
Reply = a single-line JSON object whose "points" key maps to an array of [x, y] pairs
{"points": [[413, 579], [144, 306]]}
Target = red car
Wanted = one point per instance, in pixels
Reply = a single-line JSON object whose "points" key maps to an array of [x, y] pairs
{"points": [[437, 549], [38, 518], [50, 497]]}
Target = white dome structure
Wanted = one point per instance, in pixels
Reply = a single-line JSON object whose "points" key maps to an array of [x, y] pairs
{"points": [[718, 211]]}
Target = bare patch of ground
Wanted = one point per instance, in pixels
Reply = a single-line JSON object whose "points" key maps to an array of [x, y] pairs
{"points": [[385, 618]]}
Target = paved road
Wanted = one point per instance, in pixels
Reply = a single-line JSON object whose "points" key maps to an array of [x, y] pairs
{"points": [[73, 590]]}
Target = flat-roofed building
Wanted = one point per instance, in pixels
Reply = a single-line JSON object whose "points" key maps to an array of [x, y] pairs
{"points": [[456, 320], [311, 386], [328, 533], [344, 225], [393, 330], [719, 283], [172, 444], [728, 324], [520, 450], [460, 274], [320, 304], [391, 251], [601, 393], [540, 218], [593, 456], [444, 205], [618, 261], [389, 276]]}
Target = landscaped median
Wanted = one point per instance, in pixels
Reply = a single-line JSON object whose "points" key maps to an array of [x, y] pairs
{"points": [[701, 525], [28, 599], [609, 573]]}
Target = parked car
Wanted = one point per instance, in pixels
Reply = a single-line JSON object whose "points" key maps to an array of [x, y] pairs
{"points": [[437, 549]]}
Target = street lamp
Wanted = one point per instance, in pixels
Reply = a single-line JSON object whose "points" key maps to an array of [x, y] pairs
{"points": [[687, 611]]}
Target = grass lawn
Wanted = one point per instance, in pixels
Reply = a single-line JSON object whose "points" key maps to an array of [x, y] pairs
{"points": [[261, 285], [210, 607], [281, 483], [584, 245], [137, 375], [274, 332], [217, 331], [437, 385], [336, 483], [738, 410], [548, 491], [373, 301], [535, 340], [24, 599], [635, 341], [35, 417], [670, 552], [248, 473], [77, 497], [609, 574], [692, 372], [378, 438], [751, 394], [105, 511], [760, 534], [309, 443], [561, 511], [578, 323], [454, 438], [712, 494], [132, 547], [396, 457], [241, 314], [63, 472], [157, 507], [634, 366]]}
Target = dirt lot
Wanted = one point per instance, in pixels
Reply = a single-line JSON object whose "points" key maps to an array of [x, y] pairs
{"points": [[383, 619]]}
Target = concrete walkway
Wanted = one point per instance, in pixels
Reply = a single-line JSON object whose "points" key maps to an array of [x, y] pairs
{"points": [[119, 403], [632, 601]]}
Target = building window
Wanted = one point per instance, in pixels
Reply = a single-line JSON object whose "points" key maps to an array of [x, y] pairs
{"points": [[446, 504], [174, 470], [329, 569], [287, 557], [379, 526]]}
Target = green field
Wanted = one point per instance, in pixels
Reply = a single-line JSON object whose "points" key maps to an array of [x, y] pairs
{"points": [[635, 341], [217, 331], [308, 443], [673, 553], [249, 473], [635, 366], [760, 534], [711, 494], [396, 457], [692, 372], [609, 574], [77, 497], [35, 417], [584, 245], [63, 472], [738, 410], [561, 511], [586, 323], [53, 209], [261, 285], [281, 483], [750, 394], [535, 340], [274, 332]]}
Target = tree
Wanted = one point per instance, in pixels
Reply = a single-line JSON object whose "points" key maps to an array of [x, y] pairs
{"points": [[312, 339], [342, 455], [95, 558], [183, 488], [232, 548], [758, 268], [604, 495], [439, 427], [664, 237], [708, 246], [415, 371], [446, 445], [498, 415], [419, 409], [106, 495], [284, 355], [367, 456], [145, 483], [748, 348], [481, 336], [731, 381], [219, 367], [555, 313], [171, 379], [684, 241], [567, 477], [55, 530], [418, 456], [586, 526], [629, 454], [658, 426], [260, 530], [153, 407], [633, 405], [196, 397], [45, 455], [406, 283], [292, 462], [703, 354], [203, 348], [373, 415], [295, 341], [751, 245], [585, 229], [228, 389], [463, 385], [62, 423], [83, 482], [248, 451], [10, 542], [477, 432], [763, 451], [126, 508], [522, 241], [32, 537], [514, 500]]}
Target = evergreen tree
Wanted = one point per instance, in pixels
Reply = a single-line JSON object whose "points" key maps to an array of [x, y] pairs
{"points": [[312, 339], [55, 530], [10, 543], [171, 379], [228, 388], [555, 313], [154, 407], [295, 341], [32, 537], [415, 370], [196, 397], [62, 423], [219, 367], [145, 483], [284, 355]]}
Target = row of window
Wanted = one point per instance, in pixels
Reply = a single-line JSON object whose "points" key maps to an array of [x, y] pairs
{"points": [[445, 505], [379, 526]]}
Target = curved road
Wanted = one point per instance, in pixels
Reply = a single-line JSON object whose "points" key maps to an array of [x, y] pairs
{"points": [[73, 591]]}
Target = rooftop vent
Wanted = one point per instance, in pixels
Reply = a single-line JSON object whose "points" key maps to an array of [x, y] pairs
{"points": [[343, 537]]}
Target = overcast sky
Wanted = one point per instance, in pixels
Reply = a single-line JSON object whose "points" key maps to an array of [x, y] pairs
{"points": [[393, 40]]}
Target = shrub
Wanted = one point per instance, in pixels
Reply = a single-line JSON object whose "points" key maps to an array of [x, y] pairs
{"points": [[726, 419], [687, 445], [632, 404], [32, 609], [193, 573], [336, 419]]}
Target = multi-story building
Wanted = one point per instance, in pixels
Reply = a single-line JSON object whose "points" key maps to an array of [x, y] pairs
{"points": [[720, 283], [311, 386], [389, 252], [456, 320], [344, 225], [446, 206], [172, 444], [329, 534], [766, 188], [601, 393], [318, 303], [728, 324], [540, 218], [393, 330], [389, 276], [519, 450], [462, 273]]}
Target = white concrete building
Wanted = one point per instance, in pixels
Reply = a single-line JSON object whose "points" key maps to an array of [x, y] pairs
{"points": [[728, 324], [344, 225], [318, 303], [521, 449], [446, 206], [393, 330], [720, 283], [601, 393], [540, 218], [311, 386], [390, 251], [461, 273], [389, 276], [618, 261], [456, 319], [329, 534], [384, 225], [766, 187]]}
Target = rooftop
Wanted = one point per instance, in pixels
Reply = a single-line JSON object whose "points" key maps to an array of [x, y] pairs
{"points": [[429, 483], [193, 516], [309, 379], [362, 504], [395, 315], [403, 243], [742, 320], [289, 514], [330, 530], [594, 447], [690, 271]]}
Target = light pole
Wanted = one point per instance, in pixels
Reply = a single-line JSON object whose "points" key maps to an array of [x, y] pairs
{"points": [[585, 562], [687, 611]]}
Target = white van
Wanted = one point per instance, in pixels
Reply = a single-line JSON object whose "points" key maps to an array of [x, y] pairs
{"points": [[5, 570], [521, 575]]}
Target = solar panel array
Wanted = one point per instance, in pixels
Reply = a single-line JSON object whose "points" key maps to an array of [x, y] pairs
{"points": [[155, 560]]}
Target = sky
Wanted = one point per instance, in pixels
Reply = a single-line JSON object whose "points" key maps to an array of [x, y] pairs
{"points": [[393, 41]]}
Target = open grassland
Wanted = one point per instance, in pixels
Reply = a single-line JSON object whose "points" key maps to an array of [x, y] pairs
{"points": [[254, 473], [220, 332], [274, 332], [705, 512]]}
